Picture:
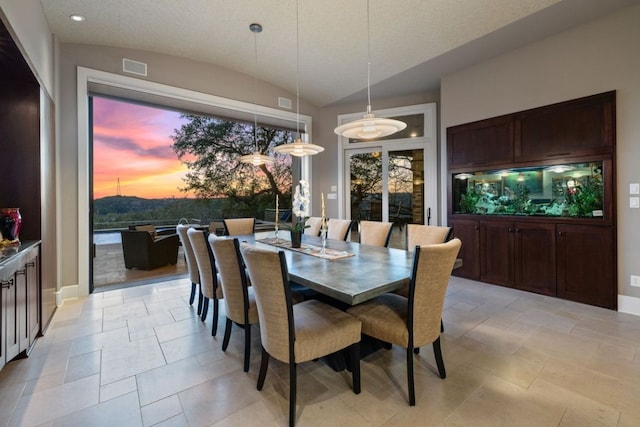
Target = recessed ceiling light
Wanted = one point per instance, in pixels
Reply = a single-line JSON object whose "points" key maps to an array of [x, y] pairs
{"points": [[77, 18]]}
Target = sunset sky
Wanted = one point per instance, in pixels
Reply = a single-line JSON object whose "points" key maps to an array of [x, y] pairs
{"points": [[133, 143]]}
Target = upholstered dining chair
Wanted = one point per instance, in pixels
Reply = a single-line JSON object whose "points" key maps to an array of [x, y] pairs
{"points": [[239, 226], [296, 333], [414, 321], [421, 235], [338, 228], [314, 223], [192, 266], [375, 233], [208, 275], [239, 299]]}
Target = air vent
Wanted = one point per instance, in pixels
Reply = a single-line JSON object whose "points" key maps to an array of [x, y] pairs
{"points": [[134, 67], [284, 103]]}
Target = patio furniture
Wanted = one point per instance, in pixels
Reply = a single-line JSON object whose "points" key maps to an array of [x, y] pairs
{"points": [[143, 252]]}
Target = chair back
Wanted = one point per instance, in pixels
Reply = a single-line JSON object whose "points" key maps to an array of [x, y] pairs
{"points": [[205, 262], [421, 235], [189, 256], [375, 233], [314, 223], [233, 278], [338, 229], [239, 226], [432, 266], [269, 279]]}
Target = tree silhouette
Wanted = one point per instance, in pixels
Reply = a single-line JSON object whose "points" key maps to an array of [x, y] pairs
{"points": [[210, 148]]}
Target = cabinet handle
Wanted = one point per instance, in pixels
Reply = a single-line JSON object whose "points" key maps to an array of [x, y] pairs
{"points": [[6, 284], [558, 154], [31, 264], [560, 233], [21, 272]]}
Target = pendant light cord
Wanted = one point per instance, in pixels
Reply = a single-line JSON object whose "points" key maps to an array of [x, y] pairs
{"points": [[297, 73], [368, 61], [255, 90]]}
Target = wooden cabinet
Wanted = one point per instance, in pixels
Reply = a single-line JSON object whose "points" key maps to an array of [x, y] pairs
{"points": [[580, 127], [483, 143], [468, 231], [519, 254], [535, 257], [586, 268], [20, 302]]}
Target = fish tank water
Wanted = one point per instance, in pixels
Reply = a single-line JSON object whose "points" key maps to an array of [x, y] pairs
{"points": [[562, 190]]}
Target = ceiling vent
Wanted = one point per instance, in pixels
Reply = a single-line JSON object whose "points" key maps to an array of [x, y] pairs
{"points": [[284, 103], [134, 67]]}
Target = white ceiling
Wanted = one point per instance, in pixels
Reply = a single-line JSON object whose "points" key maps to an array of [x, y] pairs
{"points": [[413, 42]]}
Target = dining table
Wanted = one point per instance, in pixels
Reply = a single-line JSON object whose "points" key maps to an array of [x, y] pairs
{"points": [[349, 272]]}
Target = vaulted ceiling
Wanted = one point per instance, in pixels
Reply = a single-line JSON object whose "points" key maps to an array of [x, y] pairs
{"points": [[412, 42]]}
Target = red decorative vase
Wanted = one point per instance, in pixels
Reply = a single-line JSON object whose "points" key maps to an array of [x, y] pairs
{"points": [[10, 224]]}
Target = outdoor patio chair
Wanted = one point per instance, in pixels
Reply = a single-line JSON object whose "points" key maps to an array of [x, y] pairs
{"points": [[143, 252]]}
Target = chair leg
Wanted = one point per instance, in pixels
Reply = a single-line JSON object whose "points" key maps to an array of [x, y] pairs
{"points": [[205, 308], [200, 301], [355, 367], [292, 394], [441, 326], [410, 384], [227, 334], [216, 308], [192, 297], [247, 347], [437, 352], [264, 364]]}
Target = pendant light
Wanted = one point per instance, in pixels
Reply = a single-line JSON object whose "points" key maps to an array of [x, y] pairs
{"points": [[369, 126], [298, 148], [256, 158]]}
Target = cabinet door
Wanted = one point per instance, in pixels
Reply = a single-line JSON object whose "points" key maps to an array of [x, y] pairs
{"points": [[5, 283], [481, 143], [33, 297], [21, 308], [580, 127], [496, 249], [586, 265], [468, 232], [535, 258], [11, 331]]}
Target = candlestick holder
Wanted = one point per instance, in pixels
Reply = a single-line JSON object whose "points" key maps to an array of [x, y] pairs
{"points": [[323, 236], [276, 233]]}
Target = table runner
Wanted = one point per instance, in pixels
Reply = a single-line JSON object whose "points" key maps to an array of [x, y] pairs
{"points": [[308, 249]]}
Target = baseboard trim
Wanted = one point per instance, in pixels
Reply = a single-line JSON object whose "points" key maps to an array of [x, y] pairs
{"points": [[67, 293], [627, 304]]}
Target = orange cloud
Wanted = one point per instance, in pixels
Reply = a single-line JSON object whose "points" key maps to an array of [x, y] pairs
{"points": [[132, 143]]}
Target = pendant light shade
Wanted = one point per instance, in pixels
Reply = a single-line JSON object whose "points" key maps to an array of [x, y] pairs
{"points": [[369, 126], [256, 158], [298, 148]]}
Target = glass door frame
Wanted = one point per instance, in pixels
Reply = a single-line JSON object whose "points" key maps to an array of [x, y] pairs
{"points": [[427, 142]]}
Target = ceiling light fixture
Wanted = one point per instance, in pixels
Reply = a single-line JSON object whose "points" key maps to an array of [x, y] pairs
{"points": [[76, 18], [298, 148], [369, 126], [256, 158]]}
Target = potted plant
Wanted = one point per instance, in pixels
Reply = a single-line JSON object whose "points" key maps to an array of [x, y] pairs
{"points": [[300, 209]]}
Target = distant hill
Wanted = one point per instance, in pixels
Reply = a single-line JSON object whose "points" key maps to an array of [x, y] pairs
{"points": [[120, 211]]}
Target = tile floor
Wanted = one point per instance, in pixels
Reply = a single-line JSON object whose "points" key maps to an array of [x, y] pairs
{"points": [[140, 357]]}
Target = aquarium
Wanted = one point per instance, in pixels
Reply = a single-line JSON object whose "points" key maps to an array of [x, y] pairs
{"points": [[562, 190]]}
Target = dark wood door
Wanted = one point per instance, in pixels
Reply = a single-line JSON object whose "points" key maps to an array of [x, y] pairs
{"points": [[481, 143], [535, 257], [586, 265], [578, 127], [496, 247], [468, 232]]}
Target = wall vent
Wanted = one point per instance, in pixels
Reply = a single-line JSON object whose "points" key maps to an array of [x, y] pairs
{"points": [[134, 67], [284, 103]]}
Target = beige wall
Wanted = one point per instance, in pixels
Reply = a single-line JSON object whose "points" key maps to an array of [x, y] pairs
{"points": [[601, 56]]}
